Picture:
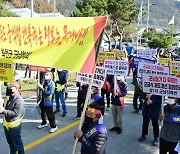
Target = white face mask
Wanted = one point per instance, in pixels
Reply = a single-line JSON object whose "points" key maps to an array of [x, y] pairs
{"points": [[170, 101]]}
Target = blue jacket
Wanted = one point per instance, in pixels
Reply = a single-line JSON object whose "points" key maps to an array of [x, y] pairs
{"points": [[152, 110], [48, 91], [115, 99]]}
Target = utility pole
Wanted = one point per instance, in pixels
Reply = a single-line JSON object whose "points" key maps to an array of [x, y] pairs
{"points": [[32, 8], [147, 16], [54, 8]]}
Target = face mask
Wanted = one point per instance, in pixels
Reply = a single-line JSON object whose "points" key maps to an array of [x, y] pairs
{"points": [[170, 101], [9, 92], [88, 120]]}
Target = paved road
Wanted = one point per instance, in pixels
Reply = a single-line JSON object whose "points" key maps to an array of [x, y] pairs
{"points": [[41, 142]]}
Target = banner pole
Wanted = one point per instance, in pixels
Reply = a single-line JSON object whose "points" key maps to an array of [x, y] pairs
{"points": [[97, 47], [162, 109]]}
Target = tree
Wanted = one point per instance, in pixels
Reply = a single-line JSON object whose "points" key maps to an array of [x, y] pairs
{"points": [[124, 12], [160, 40], [90, 8]]}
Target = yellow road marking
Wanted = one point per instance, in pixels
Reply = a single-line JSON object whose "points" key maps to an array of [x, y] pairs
{"points": [[59, 131], [47, 137]]}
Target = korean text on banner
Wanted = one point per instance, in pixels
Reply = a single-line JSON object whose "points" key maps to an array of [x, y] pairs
{"points": [[136, 60], [37, 68], [152, 69], [163, 85], [6, 70], [164, 61], [99, 77], [52, 42], [106, 55], [147, 53], [174, 67], [120, 53], [117, 67]]}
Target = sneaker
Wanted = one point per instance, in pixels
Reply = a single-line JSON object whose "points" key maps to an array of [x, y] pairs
{"points": [[42, 126], [77, 118], [142, 138], [155, 142], [52, 130], [119, 131], [108, 109], [114, 129], [64, 114]]}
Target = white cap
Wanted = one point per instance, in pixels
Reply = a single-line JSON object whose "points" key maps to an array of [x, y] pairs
{"points": [[170, 100]]}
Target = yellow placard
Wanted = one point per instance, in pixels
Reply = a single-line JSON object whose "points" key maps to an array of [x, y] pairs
{"points": [[64, 43], [120, 54], [163, 61], [106, 55], [6, 70], [174, 67]]}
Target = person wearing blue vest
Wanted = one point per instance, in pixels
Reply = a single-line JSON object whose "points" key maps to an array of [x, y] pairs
{"points": [[170, 131], [46, 104], [92, 136], [61, 80], [13, 112]]}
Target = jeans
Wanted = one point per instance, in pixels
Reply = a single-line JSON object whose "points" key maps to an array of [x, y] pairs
{"points": [[135, 102], [60, 96], [13, 137]]}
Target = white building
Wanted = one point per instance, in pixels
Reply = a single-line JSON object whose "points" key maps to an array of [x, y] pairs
{"points": [[26, 12]]}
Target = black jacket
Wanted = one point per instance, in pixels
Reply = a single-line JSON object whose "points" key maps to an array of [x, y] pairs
{"points": [[95, 145]]}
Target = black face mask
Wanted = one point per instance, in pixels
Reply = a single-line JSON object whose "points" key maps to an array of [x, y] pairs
{"points": [[88, 120], [9, 92]]}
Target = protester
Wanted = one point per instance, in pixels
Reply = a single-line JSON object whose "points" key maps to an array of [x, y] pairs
{"points": [[97, 98], [46, 104], [13, 112], [82, 91], [26, 71], [137, 94], [93, 135], [106, 90], [151, 111], [61, 79], [170, 131], [117, 104]]}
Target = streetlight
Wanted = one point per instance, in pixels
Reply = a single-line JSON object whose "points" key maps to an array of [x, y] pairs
{"points": [[54, 6]]}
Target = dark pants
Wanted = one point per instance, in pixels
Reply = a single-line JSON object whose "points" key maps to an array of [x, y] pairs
{"points": [[135, 102], [103, 92], [155, 125], [166, 146], [80, 105], [47, 110], [27, 69], [13, 137]]}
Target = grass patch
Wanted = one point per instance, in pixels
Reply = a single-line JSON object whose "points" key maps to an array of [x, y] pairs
{"points": [[72, 79], [30, 84]]}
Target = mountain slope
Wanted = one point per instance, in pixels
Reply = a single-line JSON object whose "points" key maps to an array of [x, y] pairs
{"points": [[161, 11]]}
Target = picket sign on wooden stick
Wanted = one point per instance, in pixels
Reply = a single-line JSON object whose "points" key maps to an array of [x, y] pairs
{"points": [[84, 110], [98, 43], [162, 108]]}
